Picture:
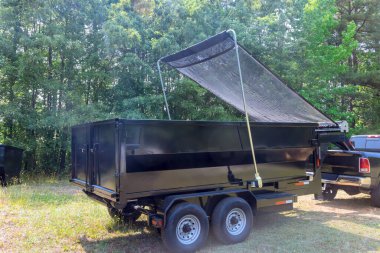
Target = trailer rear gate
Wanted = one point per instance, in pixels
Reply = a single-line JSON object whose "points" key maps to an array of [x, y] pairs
{"points": [[95, 156]]}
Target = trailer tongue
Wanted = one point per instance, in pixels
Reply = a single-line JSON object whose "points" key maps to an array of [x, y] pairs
{"points": [[185, 174]]}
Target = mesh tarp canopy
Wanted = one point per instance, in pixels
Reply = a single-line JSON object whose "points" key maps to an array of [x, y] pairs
{"points": [[213, 64]]}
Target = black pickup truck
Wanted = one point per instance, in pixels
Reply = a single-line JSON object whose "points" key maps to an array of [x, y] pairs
{"points": [[353, 167]]}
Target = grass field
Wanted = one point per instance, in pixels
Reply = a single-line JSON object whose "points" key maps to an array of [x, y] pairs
{"points": [[55, 216]]}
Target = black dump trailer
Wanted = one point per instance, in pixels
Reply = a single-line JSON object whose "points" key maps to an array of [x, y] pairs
{"points": [[10, 163], [165, 168], [190, 177]]}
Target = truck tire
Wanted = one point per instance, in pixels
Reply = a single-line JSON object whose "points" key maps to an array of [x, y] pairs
{"points": [[186, 228], [232, 220], [375, 196], [329, 193]]}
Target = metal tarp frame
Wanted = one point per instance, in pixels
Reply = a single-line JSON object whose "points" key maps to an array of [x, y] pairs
{"points": [[258, 180]]}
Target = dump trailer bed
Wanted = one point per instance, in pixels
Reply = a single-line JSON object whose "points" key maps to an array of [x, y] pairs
{"points": [[120, 160]]}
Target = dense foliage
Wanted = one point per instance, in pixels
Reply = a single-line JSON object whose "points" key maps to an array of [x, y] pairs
{"points": [[64, 62]]}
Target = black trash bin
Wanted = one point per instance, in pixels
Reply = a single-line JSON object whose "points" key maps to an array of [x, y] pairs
{"points": [[10, 163]]}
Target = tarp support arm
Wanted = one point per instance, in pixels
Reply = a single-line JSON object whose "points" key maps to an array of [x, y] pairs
{"points": [[258, 179], [163, 88]]}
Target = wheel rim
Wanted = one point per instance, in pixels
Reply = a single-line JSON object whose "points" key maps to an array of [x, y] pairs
{"points": [[236, 221], [188, 229]]}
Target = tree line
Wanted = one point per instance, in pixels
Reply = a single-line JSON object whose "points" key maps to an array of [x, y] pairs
{"points": [[65, 62]]}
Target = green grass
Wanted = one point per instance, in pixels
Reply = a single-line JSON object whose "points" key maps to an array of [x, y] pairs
{"points": [[54, 216]]}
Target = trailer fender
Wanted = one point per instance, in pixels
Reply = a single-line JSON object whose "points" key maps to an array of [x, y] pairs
{"points": [[207, 200], [250, 198]]}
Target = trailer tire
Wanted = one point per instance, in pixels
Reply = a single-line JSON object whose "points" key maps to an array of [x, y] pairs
{"points": [[186, 228], [232, 220], [375, 196]]}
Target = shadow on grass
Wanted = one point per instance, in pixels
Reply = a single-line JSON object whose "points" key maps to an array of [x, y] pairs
{"points": [[294, 231], [138, 225], [140, 238]]}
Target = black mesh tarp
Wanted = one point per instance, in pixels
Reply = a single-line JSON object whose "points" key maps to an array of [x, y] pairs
{"points": [[213, 64]]}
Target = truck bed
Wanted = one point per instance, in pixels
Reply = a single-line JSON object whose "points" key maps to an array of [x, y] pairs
{"points": [[341, 168]]}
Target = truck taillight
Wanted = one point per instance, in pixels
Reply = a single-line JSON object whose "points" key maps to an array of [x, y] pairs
{"points": [[364, 166]]}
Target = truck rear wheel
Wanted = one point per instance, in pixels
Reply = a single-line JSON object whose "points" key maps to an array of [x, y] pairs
{"points": [[232, 220], [375, 196], [329, 193], [186, 228]]}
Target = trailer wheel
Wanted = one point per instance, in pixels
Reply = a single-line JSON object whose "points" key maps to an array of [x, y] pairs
{"points": [[186, 228], [375, 196], [232, 220]]}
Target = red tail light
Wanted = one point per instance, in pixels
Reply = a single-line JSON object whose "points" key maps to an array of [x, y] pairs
{"points": [[364, 166]]}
